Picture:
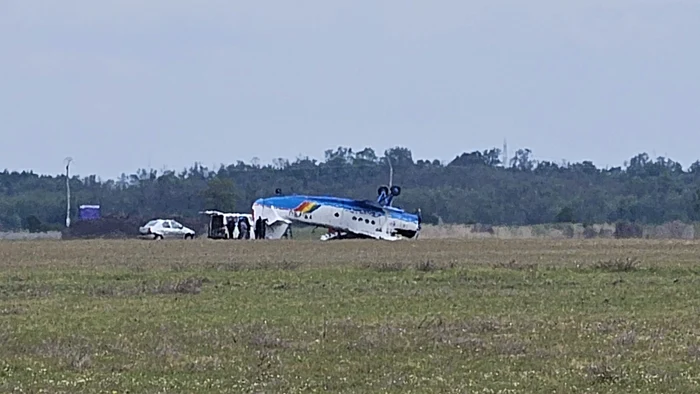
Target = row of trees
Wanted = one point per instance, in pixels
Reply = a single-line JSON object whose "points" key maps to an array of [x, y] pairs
{"points": [[474, 187]]}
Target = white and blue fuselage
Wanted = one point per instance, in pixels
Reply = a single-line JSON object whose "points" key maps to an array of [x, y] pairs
{"points": [[346, 218]]}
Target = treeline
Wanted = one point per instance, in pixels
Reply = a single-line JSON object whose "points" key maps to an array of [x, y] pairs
{"points": [[475, 187]]}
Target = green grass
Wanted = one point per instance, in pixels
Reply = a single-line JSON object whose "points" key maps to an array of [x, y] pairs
{"points": [[356, 316]]}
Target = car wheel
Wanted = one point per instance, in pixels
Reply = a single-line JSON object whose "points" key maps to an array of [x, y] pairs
{"points": [[158, 237], [189, 236]]}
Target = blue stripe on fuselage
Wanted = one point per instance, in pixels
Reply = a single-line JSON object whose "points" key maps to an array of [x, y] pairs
{"points": [[293, 201]]}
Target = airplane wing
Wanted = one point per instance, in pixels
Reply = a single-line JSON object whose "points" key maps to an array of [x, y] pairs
{"points": [[375, 235], [385, 237]]}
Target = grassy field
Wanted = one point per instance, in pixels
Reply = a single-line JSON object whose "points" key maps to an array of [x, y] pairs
{"points": [[491, 316]]}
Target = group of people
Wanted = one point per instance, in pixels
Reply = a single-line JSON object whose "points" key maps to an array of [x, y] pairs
{"points": [[243, 226]]}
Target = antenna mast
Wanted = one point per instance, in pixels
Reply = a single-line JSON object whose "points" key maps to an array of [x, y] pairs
{"points": [[68, 161]]}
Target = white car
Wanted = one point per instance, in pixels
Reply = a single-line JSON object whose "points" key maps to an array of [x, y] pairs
{"points": [[165, 228]]}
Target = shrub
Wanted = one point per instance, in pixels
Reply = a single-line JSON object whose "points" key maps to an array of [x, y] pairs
{"points": [[626, 229]]}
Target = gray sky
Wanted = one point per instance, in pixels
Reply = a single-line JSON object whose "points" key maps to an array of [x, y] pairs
{"points": [[119, 84]]}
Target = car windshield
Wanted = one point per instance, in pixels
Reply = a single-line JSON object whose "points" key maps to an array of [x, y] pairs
{"points": [[151, 223], [176, 224]]}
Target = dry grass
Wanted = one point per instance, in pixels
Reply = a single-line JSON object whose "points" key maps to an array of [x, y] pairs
{"points": [[671, 230], [27, 236], [354, 316], [291, 255]]}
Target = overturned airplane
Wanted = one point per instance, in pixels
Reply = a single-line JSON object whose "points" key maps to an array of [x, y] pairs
{"points": [[345, 218]]}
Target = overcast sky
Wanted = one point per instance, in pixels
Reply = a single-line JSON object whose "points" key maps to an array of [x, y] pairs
{"points": [[127, 84]]}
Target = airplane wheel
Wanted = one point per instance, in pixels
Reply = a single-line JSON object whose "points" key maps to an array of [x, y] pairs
{"points": [[383, 189]]}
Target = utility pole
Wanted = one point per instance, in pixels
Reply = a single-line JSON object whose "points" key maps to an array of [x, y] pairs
{"points": [[68, 160], [391, 173]]}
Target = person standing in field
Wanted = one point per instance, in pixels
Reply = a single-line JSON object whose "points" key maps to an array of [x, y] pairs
{"points": [[258, 228], [230, 226], [243, 228]]}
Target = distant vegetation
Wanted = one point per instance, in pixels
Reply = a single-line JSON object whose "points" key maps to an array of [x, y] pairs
{"points": [[475, 187]]}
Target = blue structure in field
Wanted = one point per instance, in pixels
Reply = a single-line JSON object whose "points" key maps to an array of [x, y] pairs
{"points": [[89, 212]]}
